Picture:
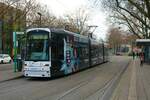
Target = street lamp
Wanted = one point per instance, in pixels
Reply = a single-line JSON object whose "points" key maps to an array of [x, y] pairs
{"points": [[40, 17], [94, 28]]}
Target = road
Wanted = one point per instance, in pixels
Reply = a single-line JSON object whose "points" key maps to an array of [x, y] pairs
{"points": [[5, 67], [84, 85]]}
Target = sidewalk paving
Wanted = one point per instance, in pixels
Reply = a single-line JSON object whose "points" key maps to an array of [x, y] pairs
{"points": [[134, 83], [6, 75]]}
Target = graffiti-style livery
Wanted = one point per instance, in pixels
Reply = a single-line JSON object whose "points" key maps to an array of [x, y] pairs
{"points": [[57, 52]]}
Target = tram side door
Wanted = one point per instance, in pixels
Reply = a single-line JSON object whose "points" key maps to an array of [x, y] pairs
{"points": [[57, 54]]}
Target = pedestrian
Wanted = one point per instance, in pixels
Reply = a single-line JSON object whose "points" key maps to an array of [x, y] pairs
{"points": [[141, 58], [133, 54]]}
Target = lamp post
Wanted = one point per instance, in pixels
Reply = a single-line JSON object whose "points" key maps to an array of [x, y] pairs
{"points": [[40, 20], [94, 28]]}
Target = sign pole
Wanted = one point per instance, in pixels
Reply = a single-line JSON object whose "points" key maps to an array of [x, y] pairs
{"points": [[15, 51]]}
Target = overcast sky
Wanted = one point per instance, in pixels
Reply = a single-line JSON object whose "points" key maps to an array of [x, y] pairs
{"points": [[61, 7]]}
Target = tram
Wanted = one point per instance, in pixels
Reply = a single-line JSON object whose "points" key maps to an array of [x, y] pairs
{"points": [[58, 52]]}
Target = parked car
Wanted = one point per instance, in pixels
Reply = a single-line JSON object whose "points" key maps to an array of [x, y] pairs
{"points": [[5, 58]]}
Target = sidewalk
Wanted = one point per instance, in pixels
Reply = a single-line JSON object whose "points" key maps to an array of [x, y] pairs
{"points": [[6, 75], [134, 83]]}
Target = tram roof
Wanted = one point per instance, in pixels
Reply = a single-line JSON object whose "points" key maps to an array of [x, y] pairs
{"points": [[57, 30], [32, 29], [62, 31]]}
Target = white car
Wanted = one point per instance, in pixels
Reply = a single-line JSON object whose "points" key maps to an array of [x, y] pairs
{"points": [[5, 58]]}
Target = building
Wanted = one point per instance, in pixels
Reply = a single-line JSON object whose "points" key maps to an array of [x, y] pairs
{"points": [[11, 19]]}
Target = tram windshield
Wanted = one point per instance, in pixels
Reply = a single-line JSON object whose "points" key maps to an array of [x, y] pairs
{"points": [[37, 47]]}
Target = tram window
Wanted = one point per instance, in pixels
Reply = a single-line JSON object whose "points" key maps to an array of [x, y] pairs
{"points": [[86, 52], [83, 52], [101, 50], [94, 51], [37, 47]]}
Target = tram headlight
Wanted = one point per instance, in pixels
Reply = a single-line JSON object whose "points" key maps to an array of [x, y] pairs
{"points": [[25, 65]]}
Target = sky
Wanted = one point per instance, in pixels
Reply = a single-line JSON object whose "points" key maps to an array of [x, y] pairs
{"points": [[97, 16]]}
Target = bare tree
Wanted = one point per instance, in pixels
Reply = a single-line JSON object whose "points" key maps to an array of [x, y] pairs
{"points": [[5, 5], [114, 38], [79, 20], [47, 18], [133, 14]]}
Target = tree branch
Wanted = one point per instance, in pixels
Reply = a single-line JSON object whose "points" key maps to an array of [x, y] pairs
{"points": [[133, 14], [142, 10]]}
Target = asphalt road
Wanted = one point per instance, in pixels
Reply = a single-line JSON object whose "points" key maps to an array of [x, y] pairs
{"points": [[5, 67], [79, 86]]}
